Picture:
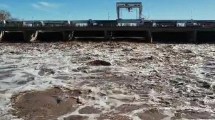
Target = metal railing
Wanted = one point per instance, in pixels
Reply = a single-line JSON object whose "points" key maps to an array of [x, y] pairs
{"points": [[112, 23]]}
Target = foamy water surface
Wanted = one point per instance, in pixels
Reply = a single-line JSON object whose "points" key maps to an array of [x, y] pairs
{"points": [[163, 80]]}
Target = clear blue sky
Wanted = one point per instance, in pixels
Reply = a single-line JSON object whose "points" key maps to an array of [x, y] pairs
{"points": [[99, 9]]}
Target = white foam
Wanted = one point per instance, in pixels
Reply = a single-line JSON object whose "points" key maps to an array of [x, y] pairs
{"points": [[62, 61]]}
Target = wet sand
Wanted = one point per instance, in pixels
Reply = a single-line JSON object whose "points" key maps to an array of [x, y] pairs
{"points": [[107, 80]]}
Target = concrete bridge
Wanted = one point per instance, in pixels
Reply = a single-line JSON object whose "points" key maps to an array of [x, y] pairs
{"points": [[141, 33]]}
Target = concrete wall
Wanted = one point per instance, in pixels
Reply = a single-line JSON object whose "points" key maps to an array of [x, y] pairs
{"points": [[50, 36], [172, 37], [89, 34], [131, 35], [13, 37], [143, 36], [206, 37]]}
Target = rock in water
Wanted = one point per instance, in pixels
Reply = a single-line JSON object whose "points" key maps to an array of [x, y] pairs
{"points": [[99, 63], [76, 117], [45, 105], [46, 71]]}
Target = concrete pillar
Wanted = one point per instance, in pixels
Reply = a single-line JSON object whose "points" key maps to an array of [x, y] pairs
{"points": [[34, 36], [64, 34], [149, 37], [71, 35], [28, 35], [68, 35], [1, 35], [193, 37], [107, 35]]}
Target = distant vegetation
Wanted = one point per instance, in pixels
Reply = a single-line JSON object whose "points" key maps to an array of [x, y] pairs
{"points": [[5, 15]]}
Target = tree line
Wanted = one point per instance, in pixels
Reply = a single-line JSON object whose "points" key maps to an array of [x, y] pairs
{"points": [[5, 15]]}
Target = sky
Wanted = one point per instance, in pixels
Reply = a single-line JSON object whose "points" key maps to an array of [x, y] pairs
{"points": [[106, 9]]}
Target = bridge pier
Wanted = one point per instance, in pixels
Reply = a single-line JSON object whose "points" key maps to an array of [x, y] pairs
{"points": [[46, 36], [1, 35], [193, 37], [107, 35], [65, 36], [149, 37], [71, 35], [29, 36], [68, 35], [33, 37]]}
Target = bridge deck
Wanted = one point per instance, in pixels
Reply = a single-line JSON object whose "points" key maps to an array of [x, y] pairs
{"points": [[121, 28], [148, 34]]}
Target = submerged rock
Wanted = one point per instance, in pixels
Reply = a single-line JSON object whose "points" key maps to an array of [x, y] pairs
{"points": [[89, 110], [43, 105], [126, 108], [76, 117], [152, 114], [22, 82], [112, 116], [187, 51], [191, 114], [46, 71], [99, 63], [204, 84]]}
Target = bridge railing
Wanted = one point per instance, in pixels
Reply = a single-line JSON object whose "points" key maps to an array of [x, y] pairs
{"points": [[112, 23]]}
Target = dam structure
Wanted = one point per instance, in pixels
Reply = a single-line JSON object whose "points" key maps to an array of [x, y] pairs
{"points": [[168, 31]]}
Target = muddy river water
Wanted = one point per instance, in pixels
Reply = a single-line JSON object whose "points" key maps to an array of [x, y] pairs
{"points": [[138, 81]]}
